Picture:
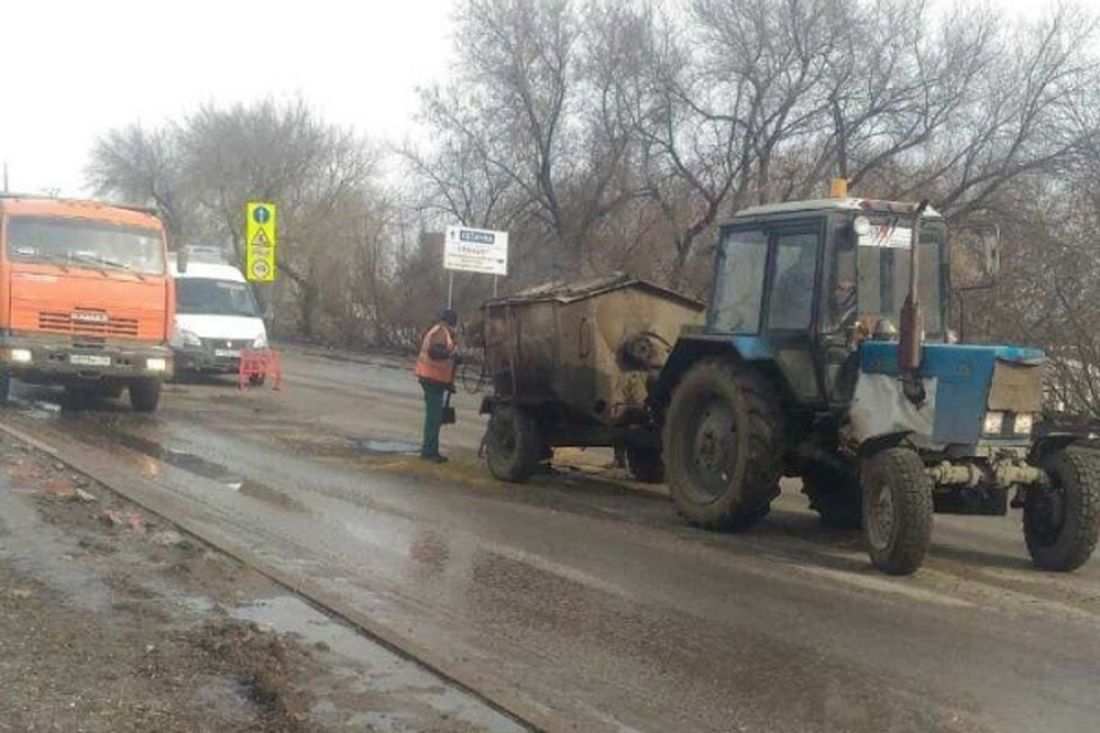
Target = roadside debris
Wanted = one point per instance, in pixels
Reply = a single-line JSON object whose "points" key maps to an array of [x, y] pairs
{"points": [[115, 518]]}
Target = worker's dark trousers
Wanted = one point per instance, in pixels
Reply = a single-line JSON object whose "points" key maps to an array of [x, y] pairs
{"points": [[433, 417]]}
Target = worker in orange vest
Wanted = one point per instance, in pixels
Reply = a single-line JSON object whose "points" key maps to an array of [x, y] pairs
{"points": [[435, 368]]}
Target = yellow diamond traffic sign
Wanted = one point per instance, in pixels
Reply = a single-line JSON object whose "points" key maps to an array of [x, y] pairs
{"points": [[260, 241]]}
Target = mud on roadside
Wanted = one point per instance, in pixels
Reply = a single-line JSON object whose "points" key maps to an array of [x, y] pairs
{"points": [[113, 620]]}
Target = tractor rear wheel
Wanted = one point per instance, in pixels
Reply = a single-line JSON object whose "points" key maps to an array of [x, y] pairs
{"points": [[513, 446], [897, 510], [1061, 521], [835, 496], [723, 438]]}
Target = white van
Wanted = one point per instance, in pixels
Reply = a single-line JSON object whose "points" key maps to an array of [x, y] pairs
{"points": [[216, 316]]}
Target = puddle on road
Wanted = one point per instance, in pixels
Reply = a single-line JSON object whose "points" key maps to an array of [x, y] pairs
{"points": [[375, 447], [382, 670], [207, 469]]}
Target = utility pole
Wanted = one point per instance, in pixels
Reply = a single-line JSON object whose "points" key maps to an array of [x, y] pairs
{"points": [[5, 176]]}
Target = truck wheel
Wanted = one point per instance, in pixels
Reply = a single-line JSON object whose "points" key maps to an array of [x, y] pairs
{"points": [[144, 394], [645, 465], [1061, 521], [5, 388], [723, 438], [513, 446], [897, 510], [835, 496]]}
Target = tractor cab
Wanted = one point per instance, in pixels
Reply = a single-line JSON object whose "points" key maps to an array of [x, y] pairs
{"points": [[808, 281]]}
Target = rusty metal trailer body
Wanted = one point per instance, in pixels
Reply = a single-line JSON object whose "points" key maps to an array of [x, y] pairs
{"points": [[578, 361]]}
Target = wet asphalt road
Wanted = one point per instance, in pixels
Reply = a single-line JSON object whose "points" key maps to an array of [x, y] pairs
{"points": [[593, 603]]}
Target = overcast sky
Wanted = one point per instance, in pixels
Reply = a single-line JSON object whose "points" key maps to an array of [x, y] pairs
{"points": [[73, 69]]}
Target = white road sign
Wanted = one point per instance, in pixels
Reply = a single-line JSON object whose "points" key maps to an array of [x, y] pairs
{"points": [[476, 250]]}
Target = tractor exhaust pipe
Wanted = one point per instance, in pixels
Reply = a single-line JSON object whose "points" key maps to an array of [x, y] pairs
{"points": [[911, 337]]}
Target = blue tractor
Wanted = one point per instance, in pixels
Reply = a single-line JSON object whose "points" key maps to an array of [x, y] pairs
{"points": [[826, 356]]}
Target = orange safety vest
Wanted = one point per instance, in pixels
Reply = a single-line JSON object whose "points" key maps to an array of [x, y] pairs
{"points": [[436, 370]]}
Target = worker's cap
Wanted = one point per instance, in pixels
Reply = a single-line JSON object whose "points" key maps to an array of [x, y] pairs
{"points": [[449, 317]]}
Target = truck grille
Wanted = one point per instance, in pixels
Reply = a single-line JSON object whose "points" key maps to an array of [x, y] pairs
{"points": [[87, 323]]}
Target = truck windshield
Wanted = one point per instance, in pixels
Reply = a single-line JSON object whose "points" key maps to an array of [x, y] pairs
{"points": [[84, 243], [883, 272], [209, 297]]}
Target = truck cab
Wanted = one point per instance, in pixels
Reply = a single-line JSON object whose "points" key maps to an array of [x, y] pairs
{"points": [[85, 297]]}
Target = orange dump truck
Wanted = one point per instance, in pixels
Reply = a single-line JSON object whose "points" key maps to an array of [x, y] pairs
{"points": [[86, 300]]}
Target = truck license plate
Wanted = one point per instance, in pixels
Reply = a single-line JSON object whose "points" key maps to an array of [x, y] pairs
{"points": [[89, 360], [233, 353]]}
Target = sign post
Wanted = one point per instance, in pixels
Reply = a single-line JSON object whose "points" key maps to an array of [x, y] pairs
{"points": [[474, 250], [260, 242]]}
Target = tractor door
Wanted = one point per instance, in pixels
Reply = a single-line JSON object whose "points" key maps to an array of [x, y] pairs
{"points": [[790, 310]]}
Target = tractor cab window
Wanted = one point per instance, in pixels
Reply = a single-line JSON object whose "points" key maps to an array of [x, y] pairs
{"points": [[792, 296], [883, 273], [739, 282]]}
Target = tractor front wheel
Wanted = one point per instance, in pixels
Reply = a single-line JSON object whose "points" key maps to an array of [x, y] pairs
{"points": [[1062, 520], [897, 510], [722, 439]]}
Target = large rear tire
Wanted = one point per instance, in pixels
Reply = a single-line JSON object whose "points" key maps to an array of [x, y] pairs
{"points": [[1061, 522], [897, 510], [723, 438], [513, 445], [144, 394]]}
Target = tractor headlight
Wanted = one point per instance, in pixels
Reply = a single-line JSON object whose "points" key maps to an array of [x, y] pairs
{"points": [[993, 424], [861, 226], [1023, 423], [156, 364]]}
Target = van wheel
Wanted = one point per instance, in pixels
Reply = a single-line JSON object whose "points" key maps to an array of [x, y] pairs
{"points": [[144, 394]]}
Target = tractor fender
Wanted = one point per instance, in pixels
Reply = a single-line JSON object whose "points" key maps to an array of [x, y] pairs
{"points": [[690, 349], [1053, 441]]}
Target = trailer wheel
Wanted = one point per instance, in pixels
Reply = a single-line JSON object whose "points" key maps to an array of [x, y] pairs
{"points": [[897, 510], [722, 439], [513, 446], [645, 465], [835, 496], [1061, 521], [144, 394]]}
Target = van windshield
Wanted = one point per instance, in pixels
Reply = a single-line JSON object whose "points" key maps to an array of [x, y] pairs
{"points": [[210, 297], [84, 243]]}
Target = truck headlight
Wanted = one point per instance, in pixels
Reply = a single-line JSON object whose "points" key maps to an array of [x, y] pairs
{"points": [[1023, 423], [260, 342], [156, 364], [21, 356], [993, 424]]}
